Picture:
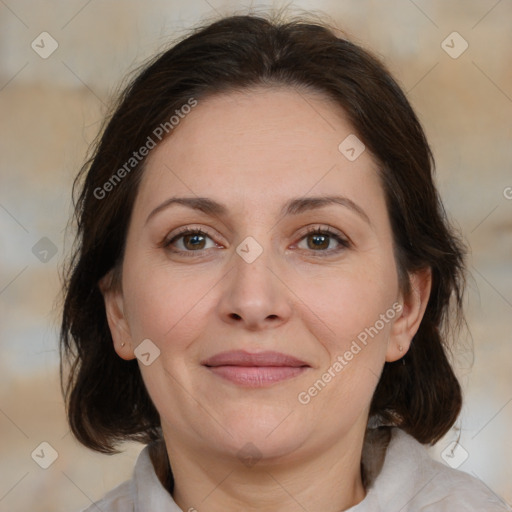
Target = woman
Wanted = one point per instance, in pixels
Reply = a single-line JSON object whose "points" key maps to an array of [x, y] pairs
{"points": [[261, 286]]}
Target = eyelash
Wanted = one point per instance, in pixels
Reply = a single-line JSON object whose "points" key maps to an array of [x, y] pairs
{"points": [[343, 242]]}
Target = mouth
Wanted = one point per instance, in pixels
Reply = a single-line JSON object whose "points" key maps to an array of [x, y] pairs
{"points": [[255, 370]]}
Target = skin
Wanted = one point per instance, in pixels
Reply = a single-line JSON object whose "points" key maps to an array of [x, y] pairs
{"points": [[253, 151]]}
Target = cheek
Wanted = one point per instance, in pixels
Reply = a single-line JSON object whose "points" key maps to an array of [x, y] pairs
{"points": [[169, 305], [154, 301], [350, 303], [357, 315]]}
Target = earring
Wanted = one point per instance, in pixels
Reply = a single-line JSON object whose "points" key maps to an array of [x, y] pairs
{"points": [[123, 344], [401, 349]]}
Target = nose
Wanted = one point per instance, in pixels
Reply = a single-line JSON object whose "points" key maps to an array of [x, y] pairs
{"points": [[255, 295]]}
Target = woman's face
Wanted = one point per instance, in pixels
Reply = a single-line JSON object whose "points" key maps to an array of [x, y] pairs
{"points": [[256, 168]]}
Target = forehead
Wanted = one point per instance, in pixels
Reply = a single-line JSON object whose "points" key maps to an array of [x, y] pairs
{"points": [[260, 145]]}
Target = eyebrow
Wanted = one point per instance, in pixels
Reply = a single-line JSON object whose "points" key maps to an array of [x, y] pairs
{"points": [[291, 207]]}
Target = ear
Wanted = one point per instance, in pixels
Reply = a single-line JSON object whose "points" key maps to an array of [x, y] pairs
{"points": [[409, 319], [117, 322]]}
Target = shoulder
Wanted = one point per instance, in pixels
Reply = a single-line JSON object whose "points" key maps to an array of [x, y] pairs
{"points": [[144, 492], [119, 499], [411, 481], [447, 489]]}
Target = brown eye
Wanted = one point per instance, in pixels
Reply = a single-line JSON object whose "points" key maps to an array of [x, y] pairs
{"points": [[194, 241], [189, 240], [323, 240], [318, 241]]}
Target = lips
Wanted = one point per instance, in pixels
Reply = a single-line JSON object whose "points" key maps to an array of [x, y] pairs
{"points": [[241, 358], [255, 370]]}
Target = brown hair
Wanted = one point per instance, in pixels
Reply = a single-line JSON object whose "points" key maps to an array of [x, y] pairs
{"points": [[106, 399]]}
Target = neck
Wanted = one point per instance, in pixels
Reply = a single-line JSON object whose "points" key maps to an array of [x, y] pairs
{"points": [[329, 480]]}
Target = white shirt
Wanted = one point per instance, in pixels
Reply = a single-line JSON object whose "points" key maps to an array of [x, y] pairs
{"points": [[401, 478]]}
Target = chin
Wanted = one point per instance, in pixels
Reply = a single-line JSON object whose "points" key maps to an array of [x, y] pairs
{"points": [[263, 437]]}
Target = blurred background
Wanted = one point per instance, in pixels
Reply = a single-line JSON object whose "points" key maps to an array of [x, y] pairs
{"points": [[60, 63]]}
